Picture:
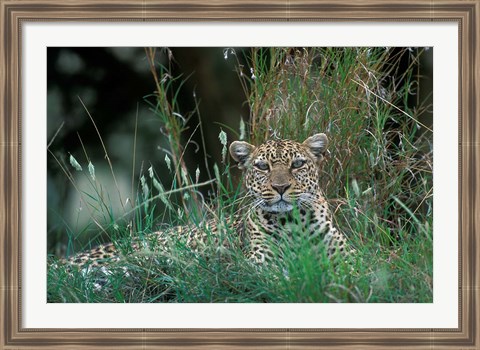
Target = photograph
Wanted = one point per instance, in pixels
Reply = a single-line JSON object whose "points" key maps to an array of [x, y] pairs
{"points": [[240, 174]]}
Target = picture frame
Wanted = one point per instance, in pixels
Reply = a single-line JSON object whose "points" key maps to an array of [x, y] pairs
{"points": [[14, 14]]}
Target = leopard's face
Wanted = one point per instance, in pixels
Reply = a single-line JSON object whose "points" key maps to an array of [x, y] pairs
{"points": [[283, 174]]}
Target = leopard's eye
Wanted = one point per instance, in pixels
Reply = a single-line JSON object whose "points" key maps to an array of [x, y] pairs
{"points": [[261, 165], [298, 163]]}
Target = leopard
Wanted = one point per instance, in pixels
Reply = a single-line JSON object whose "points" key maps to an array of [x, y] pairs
{"points": [[283, 176], [284, 196]]}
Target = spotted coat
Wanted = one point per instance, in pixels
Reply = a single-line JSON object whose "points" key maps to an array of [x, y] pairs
{"points": [[281, 179]]}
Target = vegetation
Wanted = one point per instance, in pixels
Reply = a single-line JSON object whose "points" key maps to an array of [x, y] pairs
{"points": [[377, 178]]}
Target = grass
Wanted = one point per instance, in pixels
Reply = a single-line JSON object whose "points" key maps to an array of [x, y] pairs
{"points": [[377, 178]]}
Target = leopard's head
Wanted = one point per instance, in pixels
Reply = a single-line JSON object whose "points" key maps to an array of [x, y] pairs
{"points": [[281, 174]]}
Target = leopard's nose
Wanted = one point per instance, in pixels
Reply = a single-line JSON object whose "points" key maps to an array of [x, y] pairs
{"points": [[281, 188]]}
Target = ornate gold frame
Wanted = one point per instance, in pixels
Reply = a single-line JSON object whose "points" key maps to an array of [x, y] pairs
{"points": [[14, 13]]}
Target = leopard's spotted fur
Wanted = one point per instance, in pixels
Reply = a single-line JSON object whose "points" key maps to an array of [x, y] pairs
{"points": [[281, 178]]}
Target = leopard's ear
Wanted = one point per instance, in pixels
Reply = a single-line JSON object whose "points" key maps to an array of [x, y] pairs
{"points": [[317, 144], [241, 152]]}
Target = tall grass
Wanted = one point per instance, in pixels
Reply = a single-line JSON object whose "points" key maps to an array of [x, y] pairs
{"points": [[377, 178]]}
